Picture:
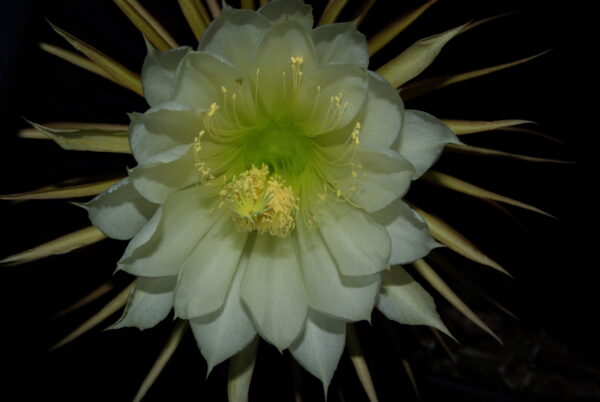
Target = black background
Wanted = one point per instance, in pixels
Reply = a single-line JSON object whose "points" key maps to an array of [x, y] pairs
{"points": [[551, 351]]}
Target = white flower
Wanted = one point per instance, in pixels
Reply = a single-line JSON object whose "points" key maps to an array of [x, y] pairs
{"points": [[267, 196]]}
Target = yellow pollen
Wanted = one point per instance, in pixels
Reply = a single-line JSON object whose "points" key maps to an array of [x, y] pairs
{"points": [[259, 201], [213, 109]]}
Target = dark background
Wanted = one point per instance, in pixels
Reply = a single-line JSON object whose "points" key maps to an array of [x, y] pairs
{"points": [[550, 353]]}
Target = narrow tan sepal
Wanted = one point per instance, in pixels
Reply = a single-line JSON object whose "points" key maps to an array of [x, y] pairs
{"points": [[214, 8], [359, 363], [167, 351], [87, 299], [420, 88], [191, 10], [64, 192], [448, 236], [146, 24], [438, 284], [77, 60], [461, 127], [394, 28], [109, 309], [362, 11], [96, 140], [478, 151], [414, 60], [120, 73], [332, 12], [62, 245], [452, 183], [241, 367]]}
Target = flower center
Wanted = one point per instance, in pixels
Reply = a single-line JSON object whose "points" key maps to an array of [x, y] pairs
{"points": [[259, 201]]}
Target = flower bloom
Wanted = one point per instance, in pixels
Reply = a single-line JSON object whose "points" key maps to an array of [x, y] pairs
{"points": [[268, 193]]}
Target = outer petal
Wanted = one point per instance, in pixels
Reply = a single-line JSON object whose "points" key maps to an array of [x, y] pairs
{"points": [[273, 59], [350, 298], [225, 332], [149, 303], [158, 73], [422, 140], [273, 290], [184, 220], [206, 275], [385, 176], [409, 233], [383, 114], [120, 212], [341, 43], [201, 76], [234, 36], [402, 299], [161, 129], [320, 346], [156, 181], [359, 245], [288, 10]]}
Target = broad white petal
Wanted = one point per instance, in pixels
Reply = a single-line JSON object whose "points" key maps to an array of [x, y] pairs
{"points": [[160, 129], [149, 303], [273, 61], [234, 36], [158, 73], [341, 43], [320, 346], [185, 218], [384, 177], [349, 298], [120, 211], [359, 245], [273, 290], [206, 275], [330, 98], [156, 181], [382, 115], [288, 10], [200, 77], [422, 140], [228, 330], [409, 232], [403, 300]]}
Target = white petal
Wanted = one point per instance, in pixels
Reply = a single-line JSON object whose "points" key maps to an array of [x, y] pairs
{"points": [[149, 303], [382, 115], [201, 76], [340, 43], [161, 129], [234, 35], [288, 10], [320, 346], [120, 211], [359, 245], [184, 220], [206, 275], [422, 140], [317, 111], [273, 290], [350, 298], [156, 181], [158, 73], [384, 177], [403, 300], [273, 57], [225, 332], [409, 233]]}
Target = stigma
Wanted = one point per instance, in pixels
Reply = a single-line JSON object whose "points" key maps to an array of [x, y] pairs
{"points": [[259, 201]]}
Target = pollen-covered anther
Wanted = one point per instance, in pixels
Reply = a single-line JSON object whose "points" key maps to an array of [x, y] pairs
{"points": [[259, 201]]}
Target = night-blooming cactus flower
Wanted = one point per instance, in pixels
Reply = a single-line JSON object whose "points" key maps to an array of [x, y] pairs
{"points": [[268, 193]]}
